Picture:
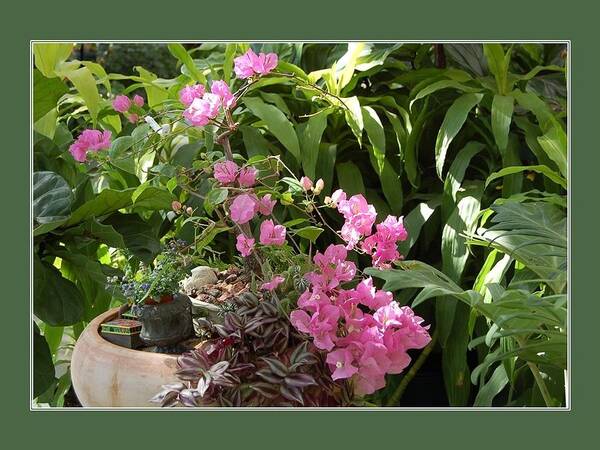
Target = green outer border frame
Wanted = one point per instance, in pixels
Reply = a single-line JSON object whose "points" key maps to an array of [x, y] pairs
{"points": [[308, 20]]}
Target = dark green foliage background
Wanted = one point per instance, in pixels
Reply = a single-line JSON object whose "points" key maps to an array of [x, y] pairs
{"points": [[456, 20]]}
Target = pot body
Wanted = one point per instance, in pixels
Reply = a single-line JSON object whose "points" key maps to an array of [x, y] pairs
{"points": [[166, 324], [106, 375]]}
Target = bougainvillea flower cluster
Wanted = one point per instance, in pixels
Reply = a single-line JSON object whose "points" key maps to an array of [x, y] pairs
{"points": [[89, 141], [250, 64], [123, 104], [366, 333]]}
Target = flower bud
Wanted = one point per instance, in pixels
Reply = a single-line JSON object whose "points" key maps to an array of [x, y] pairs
{"points": [[328, 202], [309, 208], [176, 206], [189, 210], [306, 183], [319, 185]]}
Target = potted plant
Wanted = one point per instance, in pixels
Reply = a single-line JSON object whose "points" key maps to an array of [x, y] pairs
{"points": [[156, 301]]}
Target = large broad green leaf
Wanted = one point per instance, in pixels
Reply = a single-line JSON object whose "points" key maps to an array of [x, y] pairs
{"points": [[348, 62], [156, 94], [46, 92], [56, 300], [276, 123], [49, 55], [52, 198], [554, 143], [492, 387], [254, 142], [453, 122], [43, 368], [140, 237], [310, 141], [120, 154], [96, 230], [502, 110], [534, 233], [179, 52]]}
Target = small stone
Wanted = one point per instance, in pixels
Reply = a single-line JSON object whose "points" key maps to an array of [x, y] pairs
{"points": [[201, 276]]}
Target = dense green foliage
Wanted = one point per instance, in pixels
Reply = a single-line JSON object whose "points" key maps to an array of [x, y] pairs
{"points": [[467, 141]]}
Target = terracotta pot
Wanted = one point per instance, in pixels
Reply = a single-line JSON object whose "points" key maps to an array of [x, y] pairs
{"points": [[106, 375]]}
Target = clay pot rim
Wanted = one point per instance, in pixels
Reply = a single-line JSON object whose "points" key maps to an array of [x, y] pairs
{"points": [[97, 339]]}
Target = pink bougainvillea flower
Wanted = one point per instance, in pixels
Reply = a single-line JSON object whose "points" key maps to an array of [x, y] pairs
{"points": [[133, 118], [262, 63], [306, 183], [366, 294], [121, 103], [271, 234], [333, 268], [322, 325], [265, 206], [319, 185], [89, 141], [250, 64], [189, 93], [243, 208], [247, 177], [138, 100], [203, 110], [221, 89], [383, 244], [340, 362], [243, 65], [360, 217], [272, 285], [226, 172], [244, 245]]}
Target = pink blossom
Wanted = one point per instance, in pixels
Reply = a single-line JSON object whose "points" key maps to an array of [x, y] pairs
{"points": [[138, 100], [121, 103], [250, 63], [306, 183], [133, 118], [337, 197], [366, 294], [203, 110], [360, 217], [271, 234], [221, 89], [265, 206], [333, 268], [243, 208], [272, 285], [226, 172], [340, 362], [244, 245], [382, 245], [189, 93], [322, 325], [89, 141], [247, 177]]}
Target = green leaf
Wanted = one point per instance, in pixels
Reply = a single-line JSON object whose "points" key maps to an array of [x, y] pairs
{"points": [[438, 86], [545, 170], [414, 221], [554, 143], [310, 141], [354, 118], [156, 94], [52, 198], [498, 63], [46, 93], [43, 367], [106, 202], [311, 233], [56, 300], [349, 62], [179, 52], [455, 366], [456, 174], [49, 55], [276, 123], [350, 178], [85, 83], [453, 122], [119, 154], [502, 110], [215, 197]]}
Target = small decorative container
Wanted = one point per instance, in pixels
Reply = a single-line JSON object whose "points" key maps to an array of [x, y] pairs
{"points": [[122, 332]]}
